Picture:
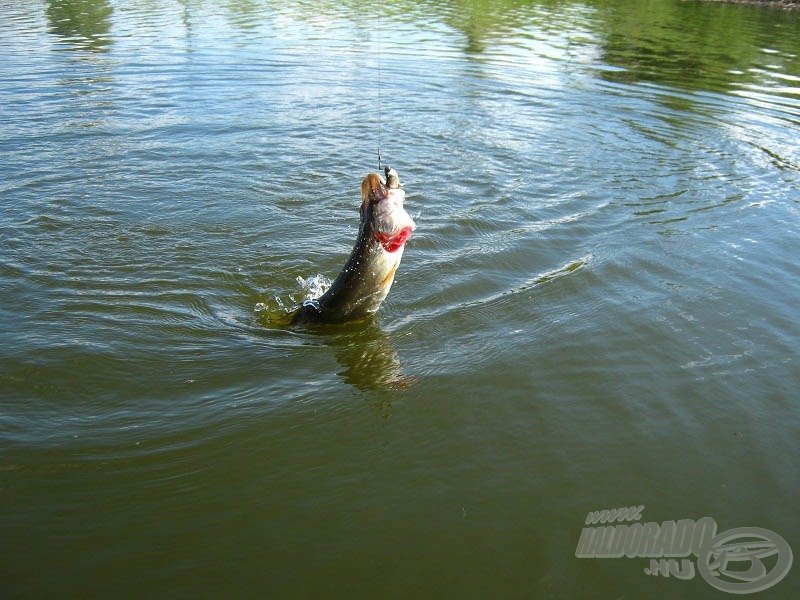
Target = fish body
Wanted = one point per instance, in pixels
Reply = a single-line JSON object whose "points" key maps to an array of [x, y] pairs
{"points": [[365, 281]]}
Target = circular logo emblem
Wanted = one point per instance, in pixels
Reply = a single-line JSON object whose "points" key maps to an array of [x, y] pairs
{"points": [[742, 560]]}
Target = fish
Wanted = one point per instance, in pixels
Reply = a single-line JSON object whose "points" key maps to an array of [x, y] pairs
{"points": [[367, 276]]}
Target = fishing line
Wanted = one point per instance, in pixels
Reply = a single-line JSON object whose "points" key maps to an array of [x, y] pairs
{"points": [[379, 91]]}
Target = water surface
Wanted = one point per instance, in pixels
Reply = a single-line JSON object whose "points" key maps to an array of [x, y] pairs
{"points": [[598, 308]]}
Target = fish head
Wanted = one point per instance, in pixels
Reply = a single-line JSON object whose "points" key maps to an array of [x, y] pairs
{"points": [[390, 223], [392, 178], [372, 190]]}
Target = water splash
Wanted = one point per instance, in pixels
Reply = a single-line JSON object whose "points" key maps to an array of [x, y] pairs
{"points": [[277, 309], [314, 286]]}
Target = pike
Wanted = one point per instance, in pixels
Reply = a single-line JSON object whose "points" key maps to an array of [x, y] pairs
{"points": [[366, 278]]}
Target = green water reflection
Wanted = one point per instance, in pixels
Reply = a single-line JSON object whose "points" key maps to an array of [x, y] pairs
{"points": [[696, 45], [693, 45], [85, 23]]}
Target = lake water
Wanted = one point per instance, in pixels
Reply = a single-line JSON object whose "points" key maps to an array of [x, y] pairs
{"points": [[599, 308]]}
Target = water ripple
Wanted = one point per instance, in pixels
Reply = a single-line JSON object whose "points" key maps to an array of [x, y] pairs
{"points": [[607, 210]]}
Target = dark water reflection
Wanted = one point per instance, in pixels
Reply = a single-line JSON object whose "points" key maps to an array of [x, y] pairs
{"points": [[366, 356]]}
